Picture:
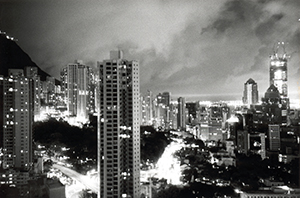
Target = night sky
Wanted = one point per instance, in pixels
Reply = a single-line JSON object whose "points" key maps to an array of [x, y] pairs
{"points": [[205, 49]]}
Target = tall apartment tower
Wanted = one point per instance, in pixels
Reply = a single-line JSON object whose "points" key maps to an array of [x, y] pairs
{"points": [[181, 116], [278, 69], [76, 79], [17, 121], [147, 109], [149, 102], [250, 93], [119, 127], [164, 98], [50, 89], [35, 84]]}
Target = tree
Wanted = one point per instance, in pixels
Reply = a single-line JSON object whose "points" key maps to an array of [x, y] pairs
{"points": [[153, 144], [87, 194], [171, 192]]}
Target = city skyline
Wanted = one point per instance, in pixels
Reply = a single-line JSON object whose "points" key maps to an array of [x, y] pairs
{"points": [[197, 48]]}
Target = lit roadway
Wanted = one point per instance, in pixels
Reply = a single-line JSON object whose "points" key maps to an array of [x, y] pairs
{"points": [[83, 179], [167, 167]]}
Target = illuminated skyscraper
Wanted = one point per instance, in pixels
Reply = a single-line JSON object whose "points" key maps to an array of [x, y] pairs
{"points": [[76, 79], [278, 69], [149, 110], [250, 92], [119, 127], [35, 83], [17, 123]]}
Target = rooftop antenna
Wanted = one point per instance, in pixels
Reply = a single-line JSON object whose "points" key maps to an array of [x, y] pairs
{"points": [[279, 45]]}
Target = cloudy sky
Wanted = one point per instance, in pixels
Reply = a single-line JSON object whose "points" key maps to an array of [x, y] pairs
{"points": [[197, 48]]}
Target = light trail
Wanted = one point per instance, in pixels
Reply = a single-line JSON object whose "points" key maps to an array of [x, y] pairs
{"points": [[83, 179], [167, 167]]}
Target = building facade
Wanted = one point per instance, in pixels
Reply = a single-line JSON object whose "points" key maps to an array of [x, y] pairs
{"points": [[278, 69], [250, 93], [78, 88], [18, 119], [181, 116], [274, 137], [119, 127], [36, 89]]}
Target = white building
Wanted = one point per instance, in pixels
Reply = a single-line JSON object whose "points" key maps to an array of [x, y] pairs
{"points": [[76, 79], [119, 127]]}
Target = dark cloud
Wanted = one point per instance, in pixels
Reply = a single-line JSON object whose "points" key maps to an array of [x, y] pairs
{"points": [[267, 28], [233, 14], [197, 47], [232, 48]]}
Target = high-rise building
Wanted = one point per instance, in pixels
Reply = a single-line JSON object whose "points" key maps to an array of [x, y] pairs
{"points": [[35, 84], [77, 84], [119, 127], [18, 119], [18, 115], [274, 107], [1, 110], [147, 109], [173, 116], [149, 102], [166, 98], [193, 110], [181, 116], [50, 89], [278, 69], [257, 144], [250, 93]]}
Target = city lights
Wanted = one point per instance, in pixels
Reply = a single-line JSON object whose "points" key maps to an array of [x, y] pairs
{"points": [[230, 132], [167, 167]]}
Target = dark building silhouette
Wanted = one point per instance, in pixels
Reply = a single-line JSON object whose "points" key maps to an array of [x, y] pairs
{"points": [[250, 95], [164, 98], [274, 107], [192, 108], [181, 116]]}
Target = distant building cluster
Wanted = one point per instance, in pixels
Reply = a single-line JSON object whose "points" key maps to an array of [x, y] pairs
{"points": [[267, 126]]}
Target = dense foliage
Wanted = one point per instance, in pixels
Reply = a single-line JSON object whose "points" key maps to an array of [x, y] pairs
{"points": [[82, 142], [153, 143]]}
